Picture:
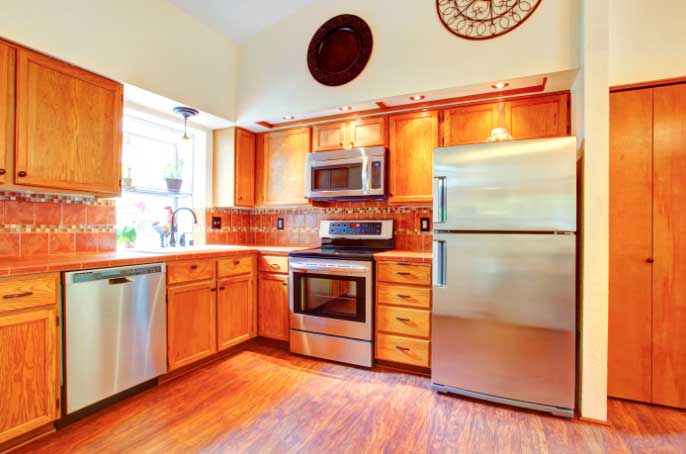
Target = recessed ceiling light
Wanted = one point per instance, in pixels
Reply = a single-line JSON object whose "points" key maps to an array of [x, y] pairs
{"points": [[417, 97], [345, 108], [500, 85], [288, 117]]}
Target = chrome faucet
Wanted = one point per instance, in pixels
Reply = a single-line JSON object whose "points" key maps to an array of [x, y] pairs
{"points": [[172, 238]]}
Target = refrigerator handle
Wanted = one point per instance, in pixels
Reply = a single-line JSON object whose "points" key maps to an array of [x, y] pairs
{"points": [[440, 200], [439, 268]]}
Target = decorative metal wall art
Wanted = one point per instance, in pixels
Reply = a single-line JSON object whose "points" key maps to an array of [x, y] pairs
{"points": [[484, 19]]}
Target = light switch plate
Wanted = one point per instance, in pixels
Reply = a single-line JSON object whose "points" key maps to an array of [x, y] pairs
{"points": [[279, 223], [425, 224]]}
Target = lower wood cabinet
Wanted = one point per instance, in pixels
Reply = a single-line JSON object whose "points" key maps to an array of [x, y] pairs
{"points": [[235, 310], [29, 354], [272, 307], [191, 323]]}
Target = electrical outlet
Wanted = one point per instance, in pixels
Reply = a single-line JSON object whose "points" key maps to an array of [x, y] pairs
{"points": [[425, 224], [216, 222], [279, 223]]}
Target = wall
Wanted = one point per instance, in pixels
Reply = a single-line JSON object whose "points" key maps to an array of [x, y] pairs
{"points": [[223, 172], [646, 40], [150, 44], [40, 224], [412, 53]]}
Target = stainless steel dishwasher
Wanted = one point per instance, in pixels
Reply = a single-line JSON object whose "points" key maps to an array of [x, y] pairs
{"points": [[116, 331]]}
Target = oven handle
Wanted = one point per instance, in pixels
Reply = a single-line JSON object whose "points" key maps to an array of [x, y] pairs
{"points": [[352, 271]]}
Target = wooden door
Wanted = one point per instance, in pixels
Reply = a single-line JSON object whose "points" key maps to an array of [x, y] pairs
{"points": [[7, 55], [244, 189], [28, 371], [235, 309], [669, 246], [68, 127], [630, 281], [539, 117], [469, 124], [283, 170], [330, 136], [412, 140], [273, 312], [368, 132], [191, 323]]}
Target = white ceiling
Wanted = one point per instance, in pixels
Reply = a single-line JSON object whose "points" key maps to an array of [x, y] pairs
{"points": [[239, 19]]}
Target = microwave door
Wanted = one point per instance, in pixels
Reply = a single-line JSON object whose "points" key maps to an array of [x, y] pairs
{"points": [[337, 177]]}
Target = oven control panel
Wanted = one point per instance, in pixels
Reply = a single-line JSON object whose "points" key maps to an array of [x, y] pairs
{"points": [[355, 228]]}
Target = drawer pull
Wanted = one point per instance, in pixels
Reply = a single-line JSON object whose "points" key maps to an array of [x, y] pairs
{"points": [[403, 319], [403, 273], [400, 295], [285, 284], [236, 262], [213, 290], [275, 265], [221, 288], [402, 349], [16, 295], [194, 267]]}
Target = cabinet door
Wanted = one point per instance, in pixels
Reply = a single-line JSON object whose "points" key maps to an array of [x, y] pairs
{"points": [[539, 117], [28, 371], [669, 246], [331, 136], [469, 124], [68, 127], [283, 169], [273, 311], [235, 309], [413, 138], [191, 323], [630, 298], [244, 193], [7, 54], [369, 132]]}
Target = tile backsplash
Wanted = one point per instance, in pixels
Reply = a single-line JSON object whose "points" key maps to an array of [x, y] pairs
{"points": [[301, 225], [34, 224]]}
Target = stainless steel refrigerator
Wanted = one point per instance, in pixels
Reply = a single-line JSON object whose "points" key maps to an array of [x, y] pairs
{"points": [[504, 275]]}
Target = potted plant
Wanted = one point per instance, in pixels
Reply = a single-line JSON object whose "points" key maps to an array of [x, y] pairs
{"points": [[127, 236], [172, 175]]}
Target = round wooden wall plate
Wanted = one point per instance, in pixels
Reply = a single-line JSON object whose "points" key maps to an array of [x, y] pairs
{"points": [[340, 50]]}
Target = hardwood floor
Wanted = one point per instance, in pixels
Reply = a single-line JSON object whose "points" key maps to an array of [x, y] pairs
{"points": [[264, 400]]}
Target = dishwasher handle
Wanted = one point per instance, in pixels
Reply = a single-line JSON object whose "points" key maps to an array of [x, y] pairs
{"points": [[115, 274], [120, 280]]}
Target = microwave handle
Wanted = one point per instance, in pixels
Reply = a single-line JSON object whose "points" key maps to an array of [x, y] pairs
{"points": [[367, 175]]}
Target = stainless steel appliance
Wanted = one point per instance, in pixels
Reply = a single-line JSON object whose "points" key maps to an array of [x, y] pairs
{"points": [[504, 301], [332, 291], [346, 174], [116, 331]]}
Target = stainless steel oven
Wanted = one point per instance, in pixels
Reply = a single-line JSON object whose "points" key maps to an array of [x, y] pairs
{"points": [[355, 173]]}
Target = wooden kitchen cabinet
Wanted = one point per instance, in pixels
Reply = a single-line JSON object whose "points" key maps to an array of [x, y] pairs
{"points": [[647, 314], [191, 323], [469, 124], [244, 165], [235, 310], [282, 167], [29, 354], [68, 127], [7, 67], [330, 136], [273, 310], [367, 132], [412, 139]]}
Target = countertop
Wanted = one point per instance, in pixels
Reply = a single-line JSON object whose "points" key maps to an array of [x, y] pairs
{"points": [[81, 261]]}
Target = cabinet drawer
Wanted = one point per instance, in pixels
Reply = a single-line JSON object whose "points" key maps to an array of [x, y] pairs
{"points": [[403, 350], [189, 271], [232, 266], [405, 321], [28, 291], [274, 264], [404, 273], [404, 295]]}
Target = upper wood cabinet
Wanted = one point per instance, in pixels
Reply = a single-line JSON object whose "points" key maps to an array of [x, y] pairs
{"points": [[412, 139], [235, 310], [273, 312], [244, 165], [469, 124], [367, 132], [282, 167], [68, 125], [7, 66]]}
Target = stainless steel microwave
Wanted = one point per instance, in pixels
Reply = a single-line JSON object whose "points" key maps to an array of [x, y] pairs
{"points": [[346, 174]]}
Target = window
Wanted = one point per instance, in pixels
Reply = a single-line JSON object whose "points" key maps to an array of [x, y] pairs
{"points": [[160, 173]]}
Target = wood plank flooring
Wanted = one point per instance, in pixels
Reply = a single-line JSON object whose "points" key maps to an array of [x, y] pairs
{"points": [[264, 400]]}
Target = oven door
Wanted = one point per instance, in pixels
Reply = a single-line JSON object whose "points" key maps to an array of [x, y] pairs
{"points": [[331, 297]]}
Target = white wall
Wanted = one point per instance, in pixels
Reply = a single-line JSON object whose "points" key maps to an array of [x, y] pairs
{"points": [[412, 53], [150, 44], [647, 40]]}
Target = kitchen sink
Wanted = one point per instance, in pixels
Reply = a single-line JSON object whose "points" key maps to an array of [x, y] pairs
{"points": [[182, 249]]}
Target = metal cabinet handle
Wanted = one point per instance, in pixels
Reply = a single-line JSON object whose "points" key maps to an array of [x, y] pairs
{"points": [[221, 288], [236, 262], [285, 284], [213, 290], [194, 267], [16, 295], [21, 173], [650, 260], [403, 319], [274, 265], [400, 295], [403, 273], [402, 349]]}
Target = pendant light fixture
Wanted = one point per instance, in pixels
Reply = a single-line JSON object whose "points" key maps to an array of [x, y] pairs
{"points": [[500, 133], [185, 112]]}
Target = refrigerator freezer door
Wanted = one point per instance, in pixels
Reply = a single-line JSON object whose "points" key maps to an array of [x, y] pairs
{"points": [[504, 319], [524, 185]]}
